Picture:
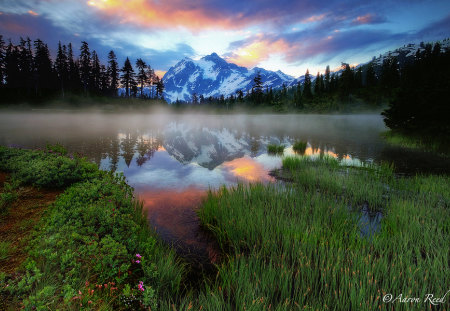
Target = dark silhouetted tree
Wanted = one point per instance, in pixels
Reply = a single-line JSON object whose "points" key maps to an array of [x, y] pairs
{"points": [[142, 76], [127, 77], [307, 93], [85, 66], [113, 73]]}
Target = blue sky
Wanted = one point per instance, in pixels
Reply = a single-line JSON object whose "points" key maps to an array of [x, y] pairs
{"points": [[278, 35]]}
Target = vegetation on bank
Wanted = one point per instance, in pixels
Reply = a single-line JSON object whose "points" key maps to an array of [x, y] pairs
{"points": [[434, 144], [337, 236], [315, 243], [92, 249]]}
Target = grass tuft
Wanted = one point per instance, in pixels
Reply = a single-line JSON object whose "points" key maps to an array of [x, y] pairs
{"points": [[275, 149], [299, 147]]}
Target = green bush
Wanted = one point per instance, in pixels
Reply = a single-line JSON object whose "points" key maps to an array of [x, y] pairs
{"points": [[93, 245], [46, 168]]}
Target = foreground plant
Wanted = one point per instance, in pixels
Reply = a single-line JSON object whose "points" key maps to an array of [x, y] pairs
{"points": [[303, 246], [84, 253]]}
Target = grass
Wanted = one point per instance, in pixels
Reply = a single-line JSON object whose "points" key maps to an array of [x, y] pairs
{"points": [[275, 149], [299, 147], [300, 246], [295, 246], [4, 250], [417, 142], [92, 247]]}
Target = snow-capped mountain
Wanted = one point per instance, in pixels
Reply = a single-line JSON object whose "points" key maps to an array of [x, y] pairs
{"points": [[406, 54], [214, 76]]}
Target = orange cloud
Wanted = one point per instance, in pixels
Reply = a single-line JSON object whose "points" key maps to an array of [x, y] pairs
{"points": [[160, 73], [163, 14], [32, 13], [257, 51]]}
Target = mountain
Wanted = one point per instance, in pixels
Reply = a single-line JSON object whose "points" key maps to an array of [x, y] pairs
{"points": [[405, 54], [213, 76]]}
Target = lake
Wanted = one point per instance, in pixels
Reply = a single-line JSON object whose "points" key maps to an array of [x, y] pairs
{"points": [[173, 159]]}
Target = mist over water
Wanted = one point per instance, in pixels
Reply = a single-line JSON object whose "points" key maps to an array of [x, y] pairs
{"points": [[173, 159]]}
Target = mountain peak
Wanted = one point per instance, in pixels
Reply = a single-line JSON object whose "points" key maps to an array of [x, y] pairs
{"points": [[214, 76]]}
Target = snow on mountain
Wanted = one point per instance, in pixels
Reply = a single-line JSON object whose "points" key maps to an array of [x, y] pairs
{"points": [[406, 54], [214, 76]]}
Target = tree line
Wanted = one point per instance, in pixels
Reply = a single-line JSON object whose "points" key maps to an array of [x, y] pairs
{"points": [[28, 72], [422, 105], [369, 85]]}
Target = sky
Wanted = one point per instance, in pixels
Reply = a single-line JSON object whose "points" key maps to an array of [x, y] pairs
{"points": [[285, 35]]}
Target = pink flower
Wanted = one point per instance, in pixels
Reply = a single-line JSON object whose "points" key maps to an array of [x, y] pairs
{"points": [[138, 261], [141, 286], [138, 256]]}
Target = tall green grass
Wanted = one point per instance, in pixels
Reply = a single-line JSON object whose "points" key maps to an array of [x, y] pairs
{"points": [[299, 147], [300, 246]]}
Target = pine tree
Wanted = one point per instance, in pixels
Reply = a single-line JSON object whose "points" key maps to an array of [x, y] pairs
{"points": [[371, 78], [26, 65], [42, 68], [142, 76], [327, 79], [74, 81], [358, 78], [12, 71], [159, 88], [257, 89], [307, 86], [95, 78], [298, 96], [346, 80], [113, 73], [2, 61], [85, 66], [61, 67], [317, 85], [127, 77]]}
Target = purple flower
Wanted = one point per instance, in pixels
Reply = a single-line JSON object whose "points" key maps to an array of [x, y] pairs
{"points": [[138, 261], [138, 256]]}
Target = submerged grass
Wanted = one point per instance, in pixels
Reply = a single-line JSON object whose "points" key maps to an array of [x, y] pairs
{"points": [[299, 147], [437, 145], [300, 246], [275, 149]]}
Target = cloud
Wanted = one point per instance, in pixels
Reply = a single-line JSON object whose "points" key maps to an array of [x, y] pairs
{"points": [[369, 19], [252, 53]]}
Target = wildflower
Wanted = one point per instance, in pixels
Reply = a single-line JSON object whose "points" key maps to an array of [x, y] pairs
{"points": [[138, 256], [138, 261], [141, 286]]}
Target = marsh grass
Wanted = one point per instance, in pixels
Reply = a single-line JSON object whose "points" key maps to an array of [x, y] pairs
{"points": [[436, 145], [300, 246], [299, 147], [275, 149]]}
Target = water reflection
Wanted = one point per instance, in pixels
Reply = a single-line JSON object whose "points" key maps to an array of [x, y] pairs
{"points": [[172, 160]]}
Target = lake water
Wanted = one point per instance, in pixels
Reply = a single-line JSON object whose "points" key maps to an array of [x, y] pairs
{"points": [[172, 160]]}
